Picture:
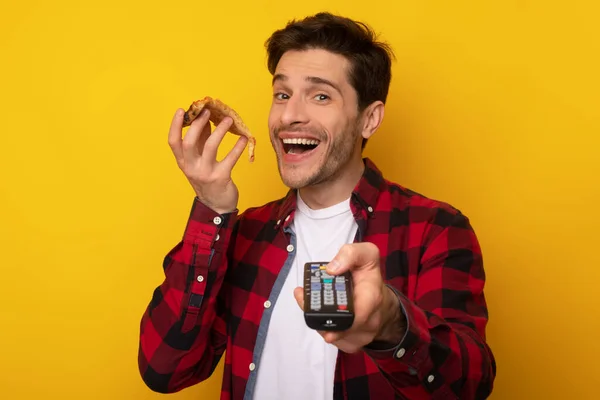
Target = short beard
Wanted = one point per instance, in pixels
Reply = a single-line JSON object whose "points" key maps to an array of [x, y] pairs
{"points": [[338, 156]]}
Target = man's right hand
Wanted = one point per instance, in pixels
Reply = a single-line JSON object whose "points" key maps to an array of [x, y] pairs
{"points": [[196, 156]]}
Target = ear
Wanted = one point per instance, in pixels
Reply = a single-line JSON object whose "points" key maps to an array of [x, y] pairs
{"points": [[372, 118]]}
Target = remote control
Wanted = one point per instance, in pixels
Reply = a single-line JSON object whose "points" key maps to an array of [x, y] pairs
{"points": [[328, 302]]}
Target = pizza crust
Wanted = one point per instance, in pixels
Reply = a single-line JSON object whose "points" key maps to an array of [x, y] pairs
{"points": [[218, 112]]}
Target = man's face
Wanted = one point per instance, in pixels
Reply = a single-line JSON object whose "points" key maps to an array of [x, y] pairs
{"points": [[313, 122]]}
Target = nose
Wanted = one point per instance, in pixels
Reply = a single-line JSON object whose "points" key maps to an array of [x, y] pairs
{"points": [[295, 112]]}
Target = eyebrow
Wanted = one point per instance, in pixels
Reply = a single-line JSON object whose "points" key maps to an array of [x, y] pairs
{"points": [[313, 79]]}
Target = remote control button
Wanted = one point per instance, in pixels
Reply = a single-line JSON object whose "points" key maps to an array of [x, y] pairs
{"points": [[340, 286], [315, 286], [342, 307], [328, 302], [340, 279]]}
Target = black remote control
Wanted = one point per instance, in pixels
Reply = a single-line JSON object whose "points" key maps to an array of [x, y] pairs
{"points": [[328, 302]]}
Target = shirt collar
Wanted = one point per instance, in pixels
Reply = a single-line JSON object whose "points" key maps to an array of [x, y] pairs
{"points": [[366, 194]]}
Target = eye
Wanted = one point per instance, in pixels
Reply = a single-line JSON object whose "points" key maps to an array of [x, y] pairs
{"points": [[322, 97], [281, 96]]}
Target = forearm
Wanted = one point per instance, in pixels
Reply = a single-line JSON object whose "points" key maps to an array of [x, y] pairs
{"points": [[449, 359], [442, 352], [182, 332]]}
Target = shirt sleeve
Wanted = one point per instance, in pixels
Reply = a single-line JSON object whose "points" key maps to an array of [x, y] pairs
{"points": [[444, 345], [183, 329]]}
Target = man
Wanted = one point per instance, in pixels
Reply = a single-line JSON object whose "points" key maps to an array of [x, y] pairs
{"points": [[233, 283]]}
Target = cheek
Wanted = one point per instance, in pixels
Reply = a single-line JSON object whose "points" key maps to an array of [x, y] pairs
{"points": [[274, 117]]}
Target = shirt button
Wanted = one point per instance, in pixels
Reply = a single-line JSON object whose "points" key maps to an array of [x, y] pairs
{"points": [[252, 367], [370, 209], [400, 353], [267, 304], [200, 278], [217, 220], [218, 237], [286, 218], [290, 248], [430, 378], [278, 222]]}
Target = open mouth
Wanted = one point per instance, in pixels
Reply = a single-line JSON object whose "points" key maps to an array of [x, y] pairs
{"points": [[299, 145]]}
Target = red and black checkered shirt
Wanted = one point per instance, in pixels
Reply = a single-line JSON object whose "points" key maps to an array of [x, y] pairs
{"points": [[220, 276]]}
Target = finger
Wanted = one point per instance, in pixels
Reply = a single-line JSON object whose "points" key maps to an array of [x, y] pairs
{"points": [[354, 256], [331, 337], [235, 153], [299, 296], [175, 135], [212, 143], [190, 141], [348, 346], [204, 135]]}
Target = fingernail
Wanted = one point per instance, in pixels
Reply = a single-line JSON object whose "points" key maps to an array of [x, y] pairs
{"points": [[334, 266], [204, 112]]}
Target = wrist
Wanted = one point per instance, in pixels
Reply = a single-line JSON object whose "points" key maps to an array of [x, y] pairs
{"points": [[393, 324], [215, 208]]}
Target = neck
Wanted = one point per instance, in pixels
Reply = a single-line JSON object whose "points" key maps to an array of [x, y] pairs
{"points": [[336, 189]]}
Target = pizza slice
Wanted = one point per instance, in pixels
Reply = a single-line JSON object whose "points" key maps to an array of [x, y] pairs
{"points": [[218, 112]]}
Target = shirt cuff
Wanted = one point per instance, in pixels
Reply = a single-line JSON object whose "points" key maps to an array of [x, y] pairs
{"points": [[206, 228], [412, 350]]}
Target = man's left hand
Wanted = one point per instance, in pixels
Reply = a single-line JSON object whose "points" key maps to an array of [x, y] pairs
{"points": [[377, 313]]}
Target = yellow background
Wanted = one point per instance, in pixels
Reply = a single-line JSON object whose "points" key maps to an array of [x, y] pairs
{"points": [[493, 108]]}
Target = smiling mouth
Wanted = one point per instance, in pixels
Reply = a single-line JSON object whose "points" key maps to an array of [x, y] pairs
{"points": [[299, 145]]}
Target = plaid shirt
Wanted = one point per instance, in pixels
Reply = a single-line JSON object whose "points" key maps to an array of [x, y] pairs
{"points": [[223, 279]]}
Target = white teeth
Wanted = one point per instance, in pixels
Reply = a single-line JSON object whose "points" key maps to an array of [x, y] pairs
{"points": [[301, 141]]}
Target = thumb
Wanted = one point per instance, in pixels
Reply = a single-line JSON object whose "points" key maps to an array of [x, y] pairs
{"points": [[299, 296], [354, 256]]}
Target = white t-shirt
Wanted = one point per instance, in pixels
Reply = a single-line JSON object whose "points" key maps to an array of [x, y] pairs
{"points": [[296, 363]]}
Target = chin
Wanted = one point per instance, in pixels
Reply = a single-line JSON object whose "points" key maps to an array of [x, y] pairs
{"points": [[296, 177]]}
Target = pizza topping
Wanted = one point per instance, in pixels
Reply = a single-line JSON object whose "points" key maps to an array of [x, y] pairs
{"points": [[219, 111]]}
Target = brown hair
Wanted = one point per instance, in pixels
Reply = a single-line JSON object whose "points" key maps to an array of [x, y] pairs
{"points": [[370, 60]]}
